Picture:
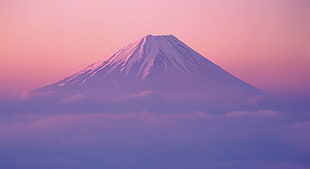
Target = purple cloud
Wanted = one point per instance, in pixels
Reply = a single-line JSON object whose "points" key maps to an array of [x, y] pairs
{"points": [[240, 139]]}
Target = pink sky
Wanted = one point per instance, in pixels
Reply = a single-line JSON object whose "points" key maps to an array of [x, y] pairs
{"points": [[266, 43]]}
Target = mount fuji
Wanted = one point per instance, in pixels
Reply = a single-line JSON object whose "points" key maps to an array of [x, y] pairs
{"points": [[155, 73]]}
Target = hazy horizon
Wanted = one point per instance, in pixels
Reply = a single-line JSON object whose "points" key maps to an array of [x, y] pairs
{"points": [[157, 103], [265, 43]]}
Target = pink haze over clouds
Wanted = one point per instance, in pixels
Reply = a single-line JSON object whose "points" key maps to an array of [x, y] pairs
{"points": [[266, 43]]}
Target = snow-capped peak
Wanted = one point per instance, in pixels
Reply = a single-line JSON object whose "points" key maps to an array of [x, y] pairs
{"points": [[140, 56], [151, 56], [162, 65]]}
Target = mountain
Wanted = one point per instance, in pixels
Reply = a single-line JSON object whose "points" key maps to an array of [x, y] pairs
{"points": [[154, 73]]}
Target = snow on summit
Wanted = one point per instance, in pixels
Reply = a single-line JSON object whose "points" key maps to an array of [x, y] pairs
{"points": [[140, 56]]}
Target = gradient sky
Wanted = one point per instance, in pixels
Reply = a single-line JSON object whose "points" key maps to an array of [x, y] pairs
{"points": [[264, 42]]}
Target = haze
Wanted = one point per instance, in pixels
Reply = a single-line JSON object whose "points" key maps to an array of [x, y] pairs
{"points": [[266, 43]]}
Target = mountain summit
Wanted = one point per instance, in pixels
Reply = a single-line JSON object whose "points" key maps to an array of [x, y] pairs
{"points": [[156, 71], [164, 54]]}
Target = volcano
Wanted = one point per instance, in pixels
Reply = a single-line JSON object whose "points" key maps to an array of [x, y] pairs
{"points": [[155, 73]]}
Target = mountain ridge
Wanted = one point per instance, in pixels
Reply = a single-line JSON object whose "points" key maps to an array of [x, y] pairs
{"points": [[161, 67]]}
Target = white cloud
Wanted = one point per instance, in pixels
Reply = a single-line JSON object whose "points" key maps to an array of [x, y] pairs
{"points": [[238, 139], [73, 98]]}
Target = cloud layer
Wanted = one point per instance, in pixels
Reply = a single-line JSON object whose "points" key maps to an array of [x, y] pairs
{"points": [[241, 139]]}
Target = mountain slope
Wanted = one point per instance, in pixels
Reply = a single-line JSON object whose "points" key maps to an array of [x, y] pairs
{"points": [[160, 67]]}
